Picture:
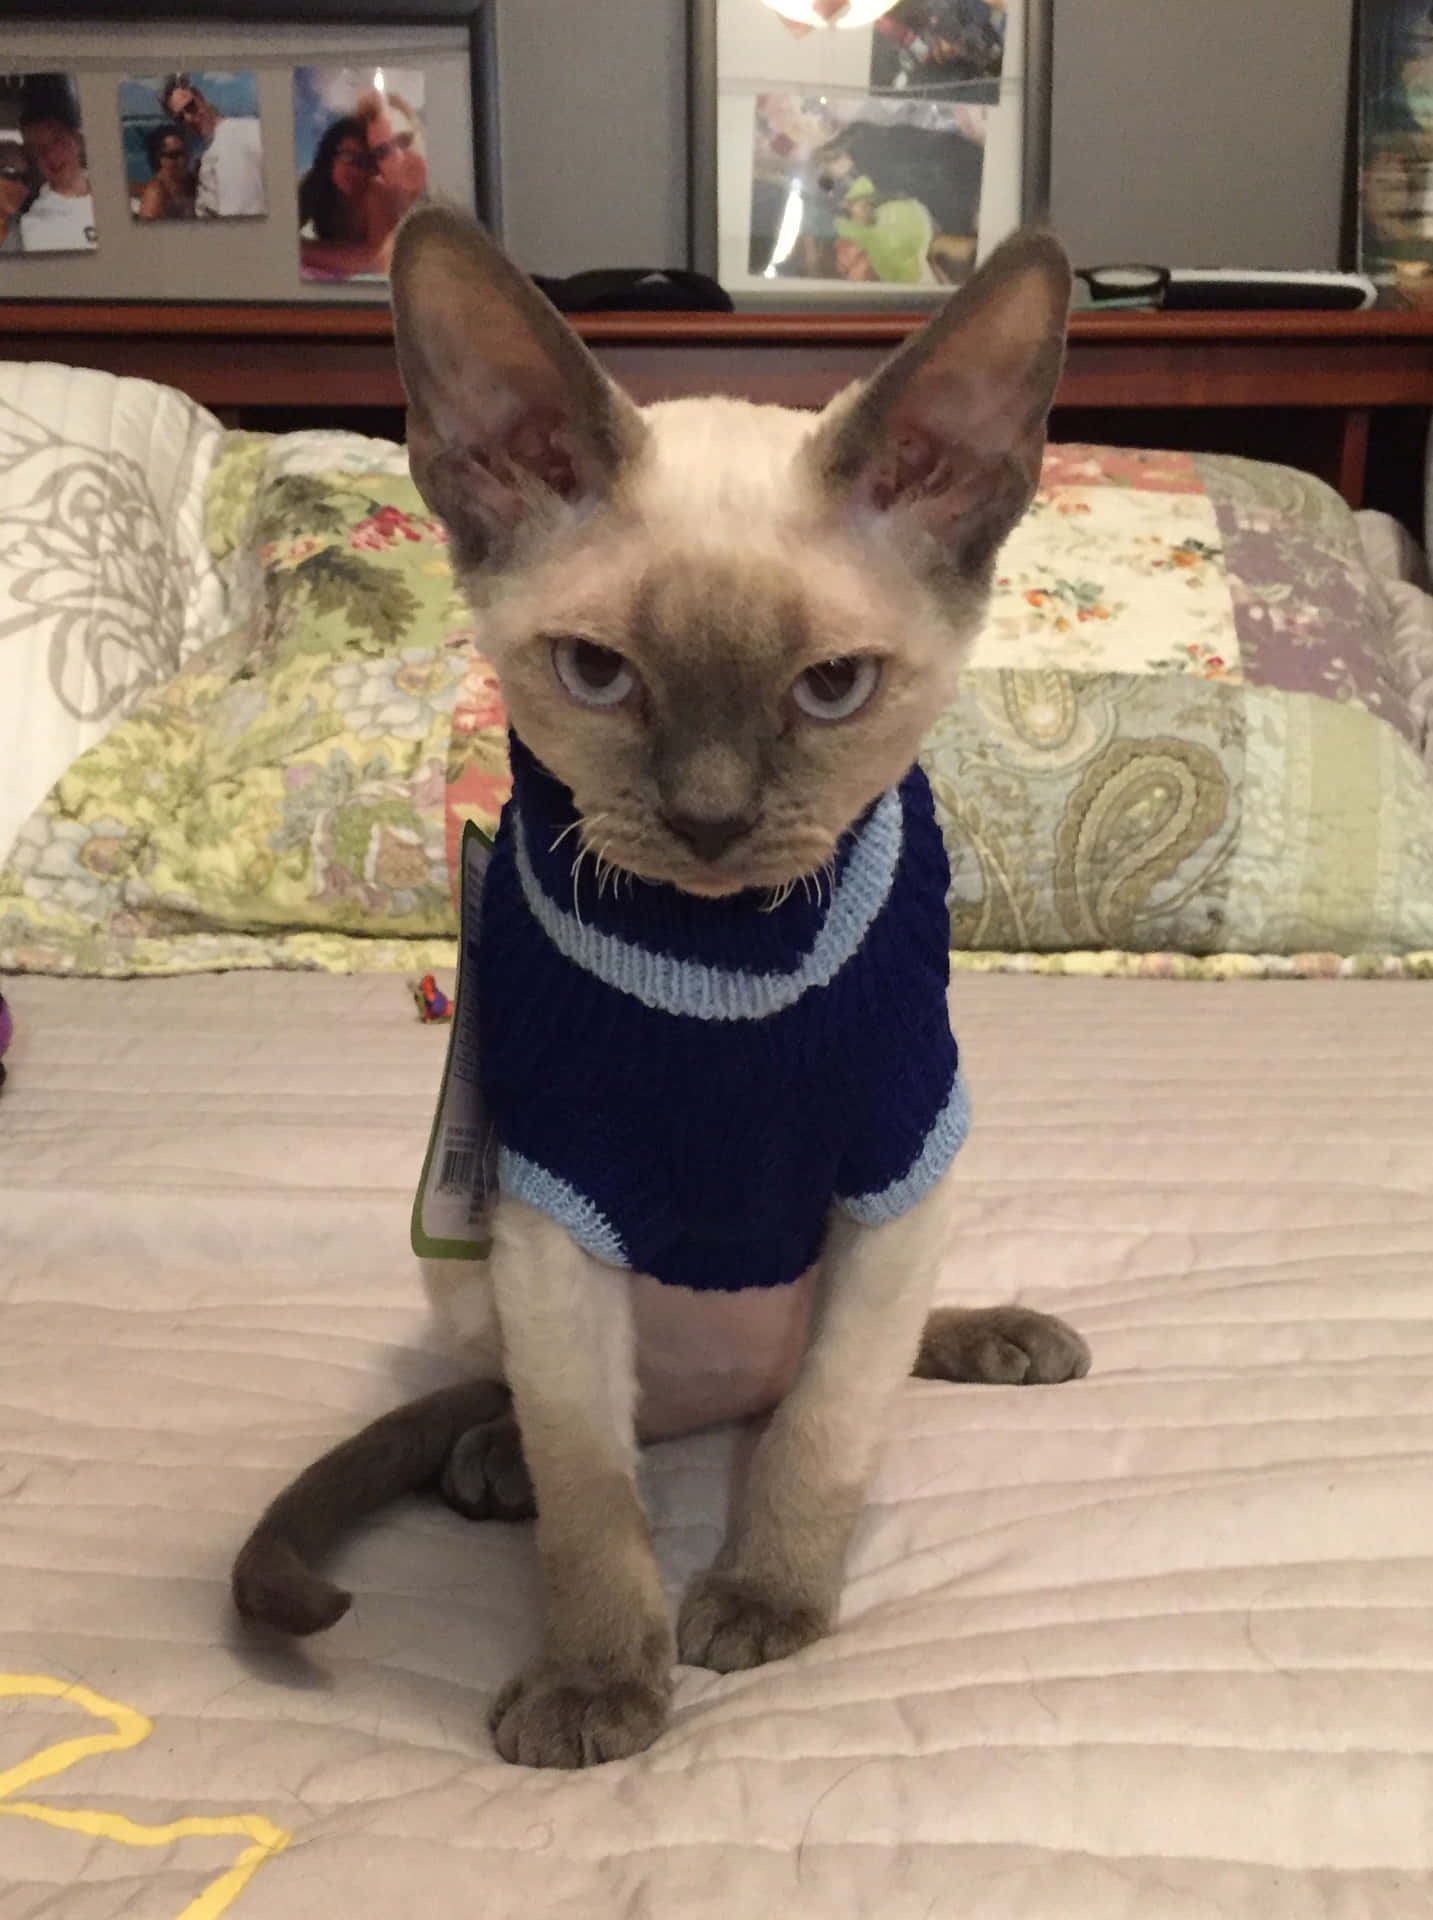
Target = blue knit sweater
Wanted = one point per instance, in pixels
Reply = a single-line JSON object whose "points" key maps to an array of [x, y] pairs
{"points": [[687, 1085]]}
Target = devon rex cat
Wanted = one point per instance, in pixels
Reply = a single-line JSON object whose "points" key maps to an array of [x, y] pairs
{"points": [[713, 962]]}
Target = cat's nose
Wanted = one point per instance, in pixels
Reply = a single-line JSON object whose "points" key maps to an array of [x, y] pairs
{"points": [[709, 837]]}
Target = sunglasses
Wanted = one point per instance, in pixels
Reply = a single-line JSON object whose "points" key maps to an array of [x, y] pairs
{"points": [[14, 173], [173, 153], [189, 111], [400, 143]]}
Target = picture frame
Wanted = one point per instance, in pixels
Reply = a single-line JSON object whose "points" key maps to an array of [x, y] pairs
{"points": [[1393, 148], [103, 45], [754, 85]]}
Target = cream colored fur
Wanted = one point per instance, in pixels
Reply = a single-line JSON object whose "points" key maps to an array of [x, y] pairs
{"points": [[721, 549], [722, 512], [600, 1686], [782, 1561]]}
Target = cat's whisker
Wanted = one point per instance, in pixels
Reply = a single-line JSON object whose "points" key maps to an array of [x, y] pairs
{"points": [[587, 823], [583, 824], [573, 826], [583, 853]]}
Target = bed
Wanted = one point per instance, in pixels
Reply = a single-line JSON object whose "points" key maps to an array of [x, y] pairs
{"points": [[1157, 1643]]}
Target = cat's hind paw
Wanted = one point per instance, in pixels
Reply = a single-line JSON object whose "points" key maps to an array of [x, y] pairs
{"points": [[485, 1477], [728, 1623], [1000, 1346]]}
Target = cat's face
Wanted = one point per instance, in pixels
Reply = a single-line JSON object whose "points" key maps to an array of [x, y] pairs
{"points": [[724, 627], [723, 676]]}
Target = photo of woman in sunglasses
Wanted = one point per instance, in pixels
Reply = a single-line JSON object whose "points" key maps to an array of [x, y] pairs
{"points": [[169, 193], [362, 163]]}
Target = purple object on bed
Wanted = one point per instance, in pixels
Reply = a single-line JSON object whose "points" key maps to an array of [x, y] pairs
{"points": [[7, 1028]]}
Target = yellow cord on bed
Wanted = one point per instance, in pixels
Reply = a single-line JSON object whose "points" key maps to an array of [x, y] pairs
{"points": [[129, 1729]]}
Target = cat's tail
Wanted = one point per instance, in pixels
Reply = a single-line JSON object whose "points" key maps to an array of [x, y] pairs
{"points": [[273, 1578]]}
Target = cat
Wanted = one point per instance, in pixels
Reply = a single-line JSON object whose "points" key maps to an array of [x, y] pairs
{"points": [[713, 962]]}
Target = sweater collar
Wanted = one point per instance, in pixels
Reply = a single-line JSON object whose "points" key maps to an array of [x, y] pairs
{"points": [[730, 958]]}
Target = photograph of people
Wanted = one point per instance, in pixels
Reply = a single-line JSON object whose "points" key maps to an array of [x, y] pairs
{"points": [[18, 185], [362, 162], [218, 114], [45, 193], [169, 193]]}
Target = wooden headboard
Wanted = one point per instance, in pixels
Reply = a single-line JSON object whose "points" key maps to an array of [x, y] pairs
{"points": [[1301, 387]]}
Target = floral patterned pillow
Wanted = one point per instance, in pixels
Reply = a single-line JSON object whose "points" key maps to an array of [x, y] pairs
{"points": [[283, 800]]}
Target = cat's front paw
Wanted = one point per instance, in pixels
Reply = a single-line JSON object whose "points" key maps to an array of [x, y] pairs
{"points": [[551, 1716], [727, 1623], [1000, 1346]]}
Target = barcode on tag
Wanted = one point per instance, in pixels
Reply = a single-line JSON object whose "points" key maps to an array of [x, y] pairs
{"points": [[459, 1173], [458, 1166]]}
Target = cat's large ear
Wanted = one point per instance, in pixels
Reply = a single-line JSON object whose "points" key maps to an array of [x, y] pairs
{"points": [[512, 424], [945, 439]]}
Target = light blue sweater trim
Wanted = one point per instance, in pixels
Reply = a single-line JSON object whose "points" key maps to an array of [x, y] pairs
{"points": [[525, 1180], [944, 1141], [703, 992]]}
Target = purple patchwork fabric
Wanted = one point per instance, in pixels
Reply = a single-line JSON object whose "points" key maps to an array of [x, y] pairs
{"points": [[1308, 615]]}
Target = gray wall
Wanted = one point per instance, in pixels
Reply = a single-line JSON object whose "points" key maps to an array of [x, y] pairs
{"points": [[1203, 133], [594, 132], [1197, 132]]}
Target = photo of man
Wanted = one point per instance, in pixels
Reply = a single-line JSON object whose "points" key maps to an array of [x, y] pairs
{"points": [[45, 192], [362, 161], [217, 114]]}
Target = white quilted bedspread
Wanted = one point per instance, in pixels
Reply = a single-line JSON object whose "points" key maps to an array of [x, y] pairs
{"points": [[1156, 1644]]}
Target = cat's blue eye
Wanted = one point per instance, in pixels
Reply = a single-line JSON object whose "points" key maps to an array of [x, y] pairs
{"points": [[835, 689], [595, 676]]}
